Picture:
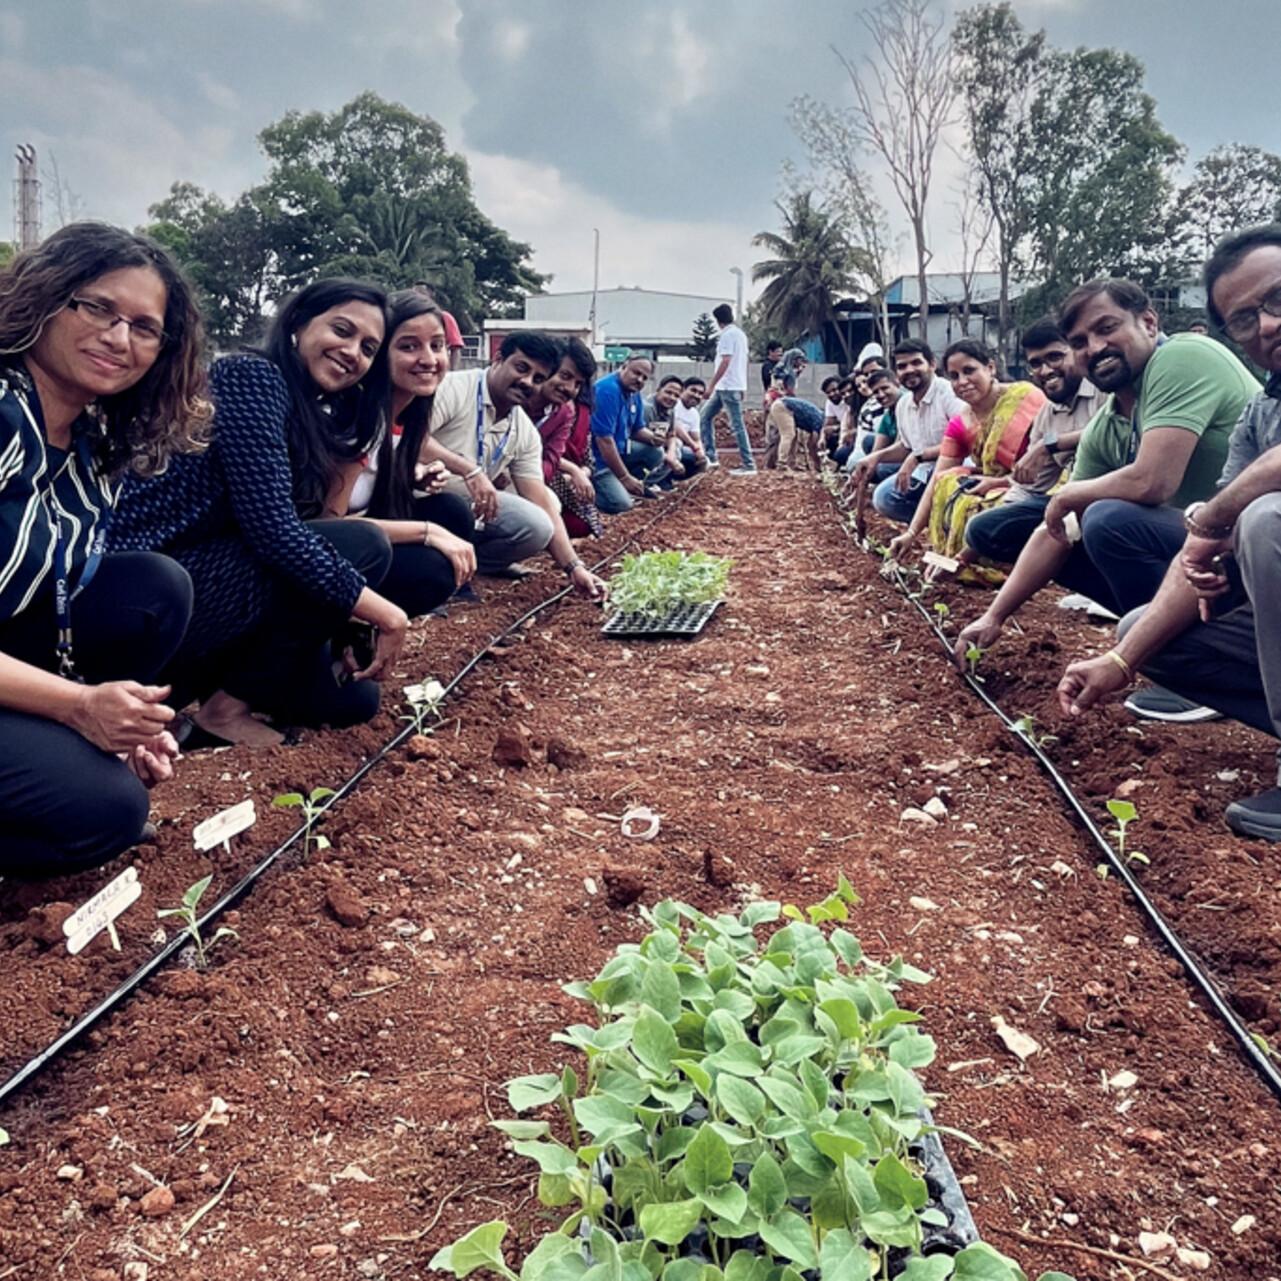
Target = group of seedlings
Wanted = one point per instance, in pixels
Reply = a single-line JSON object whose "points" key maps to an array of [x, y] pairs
{"points": [[748, 1110]]}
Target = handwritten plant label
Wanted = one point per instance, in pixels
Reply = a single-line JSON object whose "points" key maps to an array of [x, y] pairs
{"points": [[223, 826], [100, 912]]}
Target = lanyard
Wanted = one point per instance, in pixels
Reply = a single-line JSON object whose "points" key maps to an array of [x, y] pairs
{"points": [[491, 467], [63, 595]]}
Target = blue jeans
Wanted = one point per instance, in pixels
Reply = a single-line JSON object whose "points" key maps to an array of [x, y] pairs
{"points": [[1000, 533], [611, 496], [643, 459], [732, 403], [890, 502]]}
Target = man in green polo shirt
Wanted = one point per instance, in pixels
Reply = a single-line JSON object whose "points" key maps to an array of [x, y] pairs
{"points": [[1158, 442]]}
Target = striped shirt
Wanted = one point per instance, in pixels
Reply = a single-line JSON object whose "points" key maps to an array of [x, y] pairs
{"points": [[40, 486]]}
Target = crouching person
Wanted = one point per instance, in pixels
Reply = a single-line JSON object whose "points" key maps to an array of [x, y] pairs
{"points": [[101, 374], [1213, 632]]}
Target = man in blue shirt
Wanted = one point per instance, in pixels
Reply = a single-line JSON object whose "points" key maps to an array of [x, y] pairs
{"points": [[618, 413]]}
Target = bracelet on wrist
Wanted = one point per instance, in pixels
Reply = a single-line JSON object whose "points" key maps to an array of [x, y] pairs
{"points": [[1194, 525], [574, 564], [1122, 664], [475, 471]]}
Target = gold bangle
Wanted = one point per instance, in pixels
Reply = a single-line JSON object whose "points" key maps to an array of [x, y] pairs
{"points": [[1122, 664]]}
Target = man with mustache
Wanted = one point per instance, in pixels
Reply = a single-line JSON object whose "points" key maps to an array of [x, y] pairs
{"points": [[1157, 443], [1213, 633], [1000, 533]]}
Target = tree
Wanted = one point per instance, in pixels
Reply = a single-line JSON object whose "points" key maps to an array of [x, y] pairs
{"points": [[703, 344], [1099, 171], [904, 92], [834, 155], [974, 224], [7, 252], [1232, 187], [813, 261], [999, 70]]}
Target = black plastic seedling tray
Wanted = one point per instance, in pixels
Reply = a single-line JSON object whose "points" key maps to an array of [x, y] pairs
{"points": [[684, 620]]}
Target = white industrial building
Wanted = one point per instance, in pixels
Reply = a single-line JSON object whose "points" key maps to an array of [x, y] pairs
{"points": [[648, 320]]}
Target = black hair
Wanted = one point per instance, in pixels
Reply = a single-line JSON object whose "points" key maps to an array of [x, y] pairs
{"points": [[671, 378], [324, 431], [879, 376], [1042, 333], [1125, 293], [1229, 251], [532, 343], [971, 347], [914, 347], [880, 363], [579, 354], [828, 381], [724, 314], [393, 496], [773, 345], [695, 382]]}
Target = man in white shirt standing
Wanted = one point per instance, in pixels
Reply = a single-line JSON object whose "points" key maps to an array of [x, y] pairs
{"points": [[481, 432], [725, 391]]}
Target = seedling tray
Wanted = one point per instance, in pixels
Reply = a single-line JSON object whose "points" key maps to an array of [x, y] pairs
{"points": [[684, 620]]}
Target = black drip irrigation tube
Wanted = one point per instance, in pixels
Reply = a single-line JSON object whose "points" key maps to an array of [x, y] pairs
{"points": [[246, 883], [1260, 1061]]}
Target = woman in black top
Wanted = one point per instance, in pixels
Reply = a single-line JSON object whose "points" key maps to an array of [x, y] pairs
{"points": [[100, 372], [275, 583]]}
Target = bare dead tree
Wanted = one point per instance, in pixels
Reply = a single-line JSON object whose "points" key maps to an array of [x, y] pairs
{"points": [[904, 93], [974, 225], [68, 205]]}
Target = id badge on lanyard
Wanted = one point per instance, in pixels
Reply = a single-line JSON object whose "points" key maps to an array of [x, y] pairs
{"points": [[491, 466], [63, 595]]}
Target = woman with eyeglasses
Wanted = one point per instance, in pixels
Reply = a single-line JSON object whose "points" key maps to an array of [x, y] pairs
{"points": [[100, 375], [277, 584]]}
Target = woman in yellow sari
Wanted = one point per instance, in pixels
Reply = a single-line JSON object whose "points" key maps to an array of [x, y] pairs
{"points": [[992, 432]]}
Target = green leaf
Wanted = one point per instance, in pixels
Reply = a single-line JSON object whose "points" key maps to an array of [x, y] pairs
{"points": [[319, 794], [661, 990], [816, 1082], [905, 1090], [684, 1270], [760, 913], [831, 1206], [746, 1266], [846, 891], [729, 1201], [670, 1222], [741, 1099], [842, 1258], [915, 1050], [527, 1092], [736, 1003], [597, 1113], [837, 1146], [675, 1142], [844, 1014], [1122, 811], [195, 892], [789, 1235], [897, 1185], [568, 1082], [708, 1162], [546, 1252], [793, 1102], [522, 1129], [793, 1049], [287, 800], [609, 1263], [766, 1187], [980, 1262], [742, 1058], [848, 948], [891, 1227], [480, 1248], [653, 1041], [934, 1267], [554, 1190], [552, 1158], [699, 1075]]}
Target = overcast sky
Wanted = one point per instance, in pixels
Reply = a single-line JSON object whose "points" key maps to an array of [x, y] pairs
{"points": [[661, 122]]}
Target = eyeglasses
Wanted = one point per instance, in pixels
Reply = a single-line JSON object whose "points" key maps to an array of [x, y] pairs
{"points": [[1244, 324], [1054, 359], [144, 332]]}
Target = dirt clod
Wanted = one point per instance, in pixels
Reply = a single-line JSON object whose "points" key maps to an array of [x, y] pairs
{"points": [[514, 747], [422, 747], [622, 887], [44, 924], [563, 754], [157, 1202], [346, 906]]}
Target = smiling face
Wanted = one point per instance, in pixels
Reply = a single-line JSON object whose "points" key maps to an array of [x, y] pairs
{"points": [[1112, 345], [693, 396], [635, 374], [972, 378], [87, 361], [564, 384], [516, 379], [667, 395], [1053, 370], [886, 391], [914, 372], [418, 357], [1241, 292], [337, 346]]}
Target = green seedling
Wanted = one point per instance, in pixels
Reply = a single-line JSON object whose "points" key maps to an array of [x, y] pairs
{"points": [[1026, 727], [1102, 871], [313, 807], [1265, 1047], [424, 702], [189, 915], [942, 609], [973, 657], [658, 582], [1125, 814]]}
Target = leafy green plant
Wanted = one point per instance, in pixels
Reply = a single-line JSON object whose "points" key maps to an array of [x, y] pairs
{"points": [[1125, 814], [1026, 727], [658, 582], [756, 1096], [942, 609], [313, 807], [973, 657], [189, 915], [424, 701]]}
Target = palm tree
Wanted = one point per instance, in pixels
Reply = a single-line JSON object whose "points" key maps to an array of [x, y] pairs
{"points": [[813, 264]]}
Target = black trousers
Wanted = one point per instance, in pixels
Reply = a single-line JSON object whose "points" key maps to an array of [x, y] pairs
{"points": [[66, 805], [420, 578]]}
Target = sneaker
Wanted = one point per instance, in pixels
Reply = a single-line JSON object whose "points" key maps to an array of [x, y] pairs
{"points": [[712, 464], [743, 471], [1083, 604], [1258, 816], [1156, 703]]}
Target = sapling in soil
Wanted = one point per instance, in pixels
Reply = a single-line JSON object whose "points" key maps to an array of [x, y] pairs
{"points": [[656, 583], [424, 702], [973, 657], [189, 915], [313, 807], [1125, 814]]}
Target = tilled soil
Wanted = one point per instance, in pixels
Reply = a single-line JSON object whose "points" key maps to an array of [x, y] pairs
{"points": [[379, 993]]}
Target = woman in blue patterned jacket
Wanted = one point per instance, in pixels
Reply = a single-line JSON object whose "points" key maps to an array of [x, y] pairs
{"points": [[276, 584], [100, 372]]}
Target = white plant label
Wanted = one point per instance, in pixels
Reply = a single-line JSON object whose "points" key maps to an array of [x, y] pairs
{"points": [[219, 829], [100, 911]]}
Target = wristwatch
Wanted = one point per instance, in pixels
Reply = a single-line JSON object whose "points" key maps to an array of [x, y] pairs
{"points": [[1193, 526], [1051, 442]]}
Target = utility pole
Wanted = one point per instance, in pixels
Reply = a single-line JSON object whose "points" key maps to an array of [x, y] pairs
{"points": [[26, 199], [591, 315], [738, 310]]}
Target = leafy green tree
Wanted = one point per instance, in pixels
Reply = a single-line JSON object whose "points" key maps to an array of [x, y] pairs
{"points": [[813, 264], [1232, 187], [703, 344], [1000, 69], [6, 252], [1098, 170]]}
